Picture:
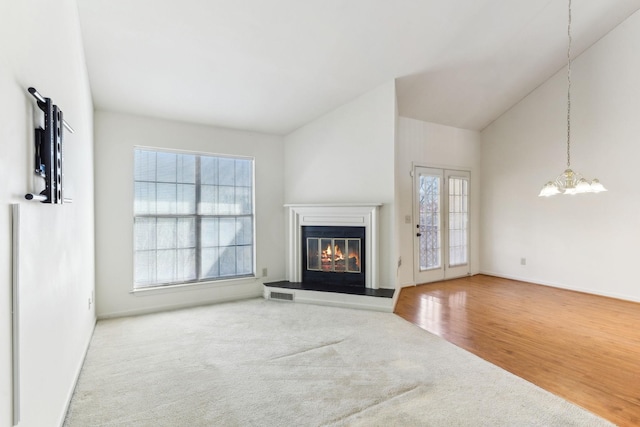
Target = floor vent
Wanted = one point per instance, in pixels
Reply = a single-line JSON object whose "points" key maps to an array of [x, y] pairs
{"points": [[281, 296]]}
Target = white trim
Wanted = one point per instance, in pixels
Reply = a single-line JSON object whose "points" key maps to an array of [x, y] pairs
{"points": [[78, 372], [194, 152], [357, 215], [445, 271], [198, 155], [15, 313], [160, 289], [329, 205], [560, 286], [251, 294]]}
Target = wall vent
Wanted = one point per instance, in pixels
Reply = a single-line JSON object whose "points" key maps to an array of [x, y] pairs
{"points": [[281, 296]]}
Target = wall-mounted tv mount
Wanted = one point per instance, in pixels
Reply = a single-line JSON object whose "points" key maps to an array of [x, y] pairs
{"points": [[48, 151]]}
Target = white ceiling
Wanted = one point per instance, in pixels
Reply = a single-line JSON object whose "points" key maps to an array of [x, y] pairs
{"points": [[274, 65]]}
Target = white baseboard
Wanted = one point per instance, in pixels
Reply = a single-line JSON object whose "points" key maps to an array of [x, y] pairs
{"points": [[560, 286], [170, 307], [77, 374]]}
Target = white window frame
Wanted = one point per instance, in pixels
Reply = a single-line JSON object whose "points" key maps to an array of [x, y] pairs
{"points": [[198, 217]]}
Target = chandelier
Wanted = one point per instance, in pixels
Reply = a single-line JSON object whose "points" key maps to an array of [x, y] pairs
{"points": [[569, 181]]}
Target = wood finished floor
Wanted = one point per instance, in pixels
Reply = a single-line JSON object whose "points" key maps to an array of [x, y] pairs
{"points": [[583, 348]]}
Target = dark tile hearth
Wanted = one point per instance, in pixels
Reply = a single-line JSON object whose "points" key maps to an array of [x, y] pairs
{"points": [[353, 290]]}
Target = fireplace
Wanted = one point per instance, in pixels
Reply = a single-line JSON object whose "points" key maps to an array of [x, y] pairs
{"points": [[333, 255], [334, 244]]}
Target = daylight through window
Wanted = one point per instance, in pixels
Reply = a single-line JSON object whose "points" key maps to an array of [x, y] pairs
{"points": [[193, 218]]}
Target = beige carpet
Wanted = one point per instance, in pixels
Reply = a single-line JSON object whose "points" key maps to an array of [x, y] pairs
{"points": [[269, 363]]}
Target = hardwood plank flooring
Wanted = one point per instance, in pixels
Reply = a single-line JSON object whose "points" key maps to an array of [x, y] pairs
{"points": [[583, 348]]}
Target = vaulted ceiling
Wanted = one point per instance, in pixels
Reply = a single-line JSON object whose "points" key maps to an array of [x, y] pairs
{"points": [[274, 65]]}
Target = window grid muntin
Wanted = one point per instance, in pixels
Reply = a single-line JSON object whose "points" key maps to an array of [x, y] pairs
{"points": [[244, 177]]}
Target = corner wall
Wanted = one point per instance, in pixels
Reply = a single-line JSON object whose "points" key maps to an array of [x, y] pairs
{"points": [[585, 242], [116, 137], [347, 156], [429, 144], [40, 46]]}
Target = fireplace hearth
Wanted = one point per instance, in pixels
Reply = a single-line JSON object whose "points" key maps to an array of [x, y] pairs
{"points": [[336, 253]]}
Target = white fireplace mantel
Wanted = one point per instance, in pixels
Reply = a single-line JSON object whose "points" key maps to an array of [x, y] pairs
{"points": [[346, 215]]}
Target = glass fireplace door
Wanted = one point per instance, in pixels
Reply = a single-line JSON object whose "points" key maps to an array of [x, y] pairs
{"points": [[333, 255]]}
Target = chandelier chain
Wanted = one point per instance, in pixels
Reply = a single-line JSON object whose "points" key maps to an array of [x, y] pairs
{"points": [[570, 182], [569, 90]]}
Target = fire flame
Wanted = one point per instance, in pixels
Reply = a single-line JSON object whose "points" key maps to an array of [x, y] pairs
{"points": [[354, 255], [338, 255], [336, 250]]}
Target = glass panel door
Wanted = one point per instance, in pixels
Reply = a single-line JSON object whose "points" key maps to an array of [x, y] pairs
{"points": [[441, 207], [457, 241], [428, 258]]}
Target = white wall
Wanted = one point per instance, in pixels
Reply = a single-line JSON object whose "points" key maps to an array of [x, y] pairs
{"points": [[116, 136], [429, 144], [346, 156], [587, 242], [40, 46]]}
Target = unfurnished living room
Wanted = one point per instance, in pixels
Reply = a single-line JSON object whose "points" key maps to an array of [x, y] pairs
{"points": [[306, 213]]}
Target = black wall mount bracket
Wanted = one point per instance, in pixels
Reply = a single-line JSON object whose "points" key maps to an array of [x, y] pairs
{"points": [[48, 151]]}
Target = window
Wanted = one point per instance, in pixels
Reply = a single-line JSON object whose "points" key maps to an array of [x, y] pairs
{"points": [[458, 220], [430, 239], [193, 218]]}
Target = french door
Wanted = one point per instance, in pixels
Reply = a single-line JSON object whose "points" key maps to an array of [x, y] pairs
{"points": [[441, 215]]}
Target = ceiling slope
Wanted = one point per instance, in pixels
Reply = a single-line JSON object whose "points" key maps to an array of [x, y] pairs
{"points": [[272, 66]]}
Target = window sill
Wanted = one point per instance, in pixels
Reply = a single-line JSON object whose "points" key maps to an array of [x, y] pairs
{"points": [[160, 289]]}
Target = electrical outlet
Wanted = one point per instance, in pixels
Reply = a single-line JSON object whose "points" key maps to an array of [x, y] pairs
{"points": [[264, 272], [523, 261]]}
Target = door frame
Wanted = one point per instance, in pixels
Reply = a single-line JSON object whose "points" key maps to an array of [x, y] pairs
{"points": [[445, 271]]}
